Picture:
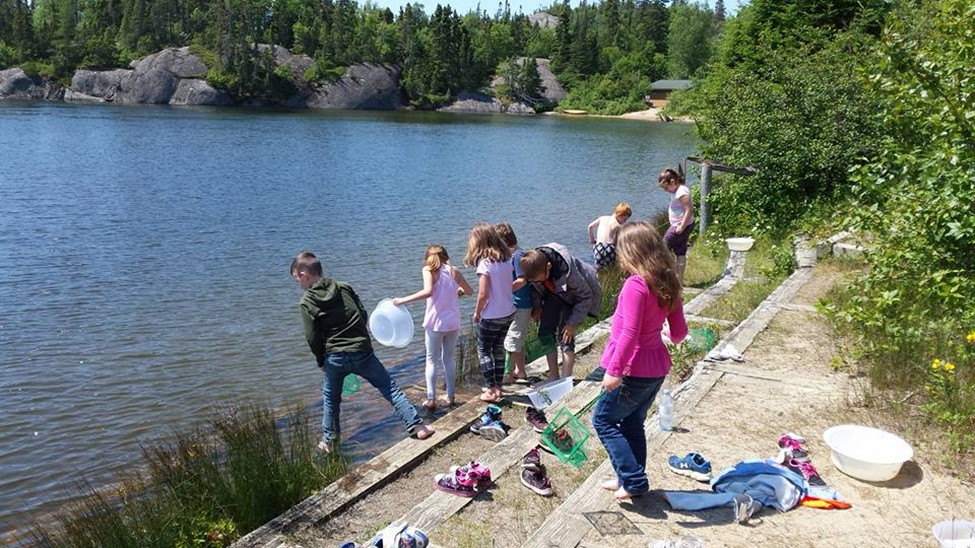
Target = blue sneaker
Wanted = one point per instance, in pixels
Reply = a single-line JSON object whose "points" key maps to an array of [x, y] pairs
{"points": [[692, 465], [490, 416]]}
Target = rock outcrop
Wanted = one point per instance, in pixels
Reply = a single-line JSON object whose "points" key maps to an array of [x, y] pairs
{"points": [[552, 90], [367, 86], [17, 85], [474, 103], [174, 76]]}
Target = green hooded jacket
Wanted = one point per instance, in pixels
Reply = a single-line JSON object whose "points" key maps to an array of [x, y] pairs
{"points": [[334, 319]]}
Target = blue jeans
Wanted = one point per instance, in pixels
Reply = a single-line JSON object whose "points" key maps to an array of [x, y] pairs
{"points": [[618, 420], [338, 365]]}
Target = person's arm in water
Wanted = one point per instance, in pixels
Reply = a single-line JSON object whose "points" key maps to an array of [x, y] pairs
{"points": [[421, 294]]}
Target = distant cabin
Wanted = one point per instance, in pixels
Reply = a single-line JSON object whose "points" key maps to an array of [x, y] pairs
{"points": [[660, 90]]}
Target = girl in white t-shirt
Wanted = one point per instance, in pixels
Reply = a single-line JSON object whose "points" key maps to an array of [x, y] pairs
{"points": [[495, 306], [681, 213]]}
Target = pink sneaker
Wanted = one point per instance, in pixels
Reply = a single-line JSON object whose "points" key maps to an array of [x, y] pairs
{"points": [[791, 448], [807, 470]]}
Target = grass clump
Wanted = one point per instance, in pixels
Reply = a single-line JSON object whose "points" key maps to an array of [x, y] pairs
{"points": [[207, 487]]}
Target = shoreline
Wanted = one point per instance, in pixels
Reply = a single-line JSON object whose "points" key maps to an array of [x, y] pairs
{"points": [[651, 114]]}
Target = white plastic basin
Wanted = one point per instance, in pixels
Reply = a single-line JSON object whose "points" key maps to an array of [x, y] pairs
{"points": [[867, 453], [547, 393], [740, 244], [391, 325], [955, 533]]}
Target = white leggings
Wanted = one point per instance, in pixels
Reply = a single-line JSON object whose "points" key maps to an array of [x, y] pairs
{"points": [[441, 352]]}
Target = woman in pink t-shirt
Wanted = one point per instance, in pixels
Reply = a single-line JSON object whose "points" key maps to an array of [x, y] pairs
{"points": [[442, 287], [495, 307], [635, 358]]}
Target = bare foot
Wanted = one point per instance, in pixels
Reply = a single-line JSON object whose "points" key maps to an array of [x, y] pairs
{"points": [[610, 484], [489, 397], [326, 447], [423, 432], [621, 495], [430, 405], [448, 402]]}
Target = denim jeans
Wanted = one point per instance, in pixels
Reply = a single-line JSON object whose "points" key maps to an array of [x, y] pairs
{"points": [[618, 421], [490, 348], [338, 365]]}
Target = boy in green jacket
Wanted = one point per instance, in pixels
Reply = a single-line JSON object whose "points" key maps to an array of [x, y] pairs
{"points": [[335, 327]]}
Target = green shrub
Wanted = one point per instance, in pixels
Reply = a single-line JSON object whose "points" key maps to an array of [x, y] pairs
{"points": [[206, 487], [801, 120]]}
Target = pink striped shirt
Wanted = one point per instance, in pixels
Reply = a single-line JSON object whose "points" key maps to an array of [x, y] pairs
{"points": [[635, 348]]}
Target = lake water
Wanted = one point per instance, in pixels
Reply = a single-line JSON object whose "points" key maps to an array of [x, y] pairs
{"points": [[144, 256]]}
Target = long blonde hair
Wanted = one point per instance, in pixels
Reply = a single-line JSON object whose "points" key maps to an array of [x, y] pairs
{"points": [[484, 242], [641, 251], [435, 257]]}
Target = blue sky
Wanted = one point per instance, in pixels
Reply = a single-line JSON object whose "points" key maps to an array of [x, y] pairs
{"points": [[527, 6]]}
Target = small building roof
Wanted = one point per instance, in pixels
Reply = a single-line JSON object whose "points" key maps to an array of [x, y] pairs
{"points": [[663, 85]]}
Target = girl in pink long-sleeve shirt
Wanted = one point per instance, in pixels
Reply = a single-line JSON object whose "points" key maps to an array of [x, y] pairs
{"points": [[635, 358]]}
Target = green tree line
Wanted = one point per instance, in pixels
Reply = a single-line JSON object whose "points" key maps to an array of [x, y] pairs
{"points": [[606, 53]]}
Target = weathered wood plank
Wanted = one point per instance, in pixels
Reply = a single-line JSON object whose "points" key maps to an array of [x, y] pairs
{"points": [[440, 506], [709, 295], [756, 322], [702, 319], [567, 525], [362, 479]]}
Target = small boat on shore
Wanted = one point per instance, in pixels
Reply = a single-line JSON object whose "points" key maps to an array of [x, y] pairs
{"points": [[575, 112]]}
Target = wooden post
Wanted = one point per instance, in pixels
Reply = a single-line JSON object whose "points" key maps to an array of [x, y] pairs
{"points": [[705, 189]]}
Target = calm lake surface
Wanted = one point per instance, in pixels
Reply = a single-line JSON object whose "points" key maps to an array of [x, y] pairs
{"points": [[144, 256]]}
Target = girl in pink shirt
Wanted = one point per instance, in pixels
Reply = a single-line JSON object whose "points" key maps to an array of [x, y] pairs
{"points": [[635, 358], [442, 287]]}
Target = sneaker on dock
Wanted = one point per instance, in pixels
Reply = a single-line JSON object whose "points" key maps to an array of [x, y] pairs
{"points": [[490, 416], [532, 461], [448, 484], [536, 418], [536, 481]]}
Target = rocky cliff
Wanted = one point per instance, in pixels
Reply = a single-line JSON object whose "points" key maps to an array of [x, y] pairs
{"points": [[16, 85], [176, 76]]}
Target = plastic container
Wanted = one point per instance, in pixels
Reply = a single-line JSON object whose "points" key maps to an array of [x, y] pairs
{"points": [[566, 436], [867, 453], [955, 533], [740, 244], [666, 406], [545, 394], [391, 325]]}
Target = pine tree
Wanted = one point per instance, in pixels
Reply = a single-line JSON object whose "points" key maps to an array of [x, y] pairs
{"points": [[719, 12], [562, 52]]}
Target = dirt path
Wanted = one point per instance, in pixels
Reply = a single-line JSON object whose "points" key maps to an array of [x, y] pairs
{"points": [[786, 384]]}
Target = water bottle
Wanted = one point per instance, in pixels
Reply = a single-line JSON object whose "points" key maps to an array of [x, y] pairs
{"points": [[666, 411]]}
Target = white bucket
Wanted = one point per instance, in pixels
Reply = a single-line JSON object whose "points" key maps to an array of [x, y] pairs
{"points": [[955, 533], [391, 325], [547, 393]]}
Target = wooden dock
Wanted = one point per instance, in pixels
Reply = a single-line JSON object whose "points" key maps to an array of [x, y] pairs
{"points": [[568, 524]]}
